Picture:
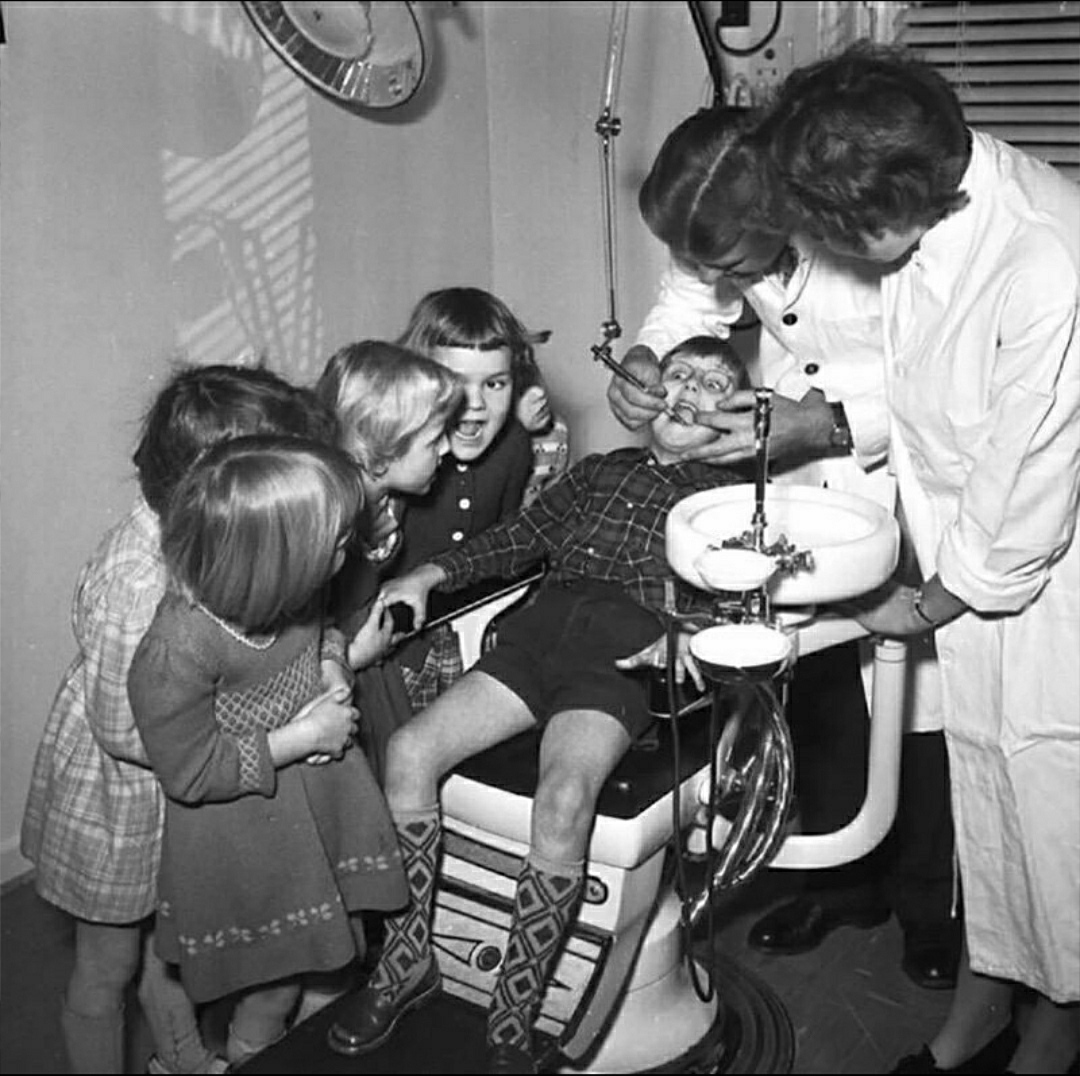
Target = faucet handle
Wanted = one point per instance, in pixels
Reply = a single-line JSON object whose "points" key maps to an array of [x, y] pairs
{"points": [[796, 560]]}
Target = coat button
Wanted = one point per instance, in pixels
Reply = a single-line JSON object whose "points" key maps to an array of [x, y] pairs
{"points": [[789, 318], [811, 368]]}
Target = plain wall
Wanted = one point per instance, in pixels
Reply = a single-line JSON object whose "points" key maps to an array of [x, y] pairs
{"points": [[168, 186]]}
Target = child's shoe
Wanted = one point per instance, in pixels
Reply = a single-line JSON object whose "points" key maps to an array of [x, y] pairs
{"points": [[156, 1067]]}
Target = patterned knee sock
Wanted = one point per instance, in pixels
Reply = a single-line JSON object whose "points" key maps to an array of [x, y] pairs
{"points": [[547, 894], [407, 948]]}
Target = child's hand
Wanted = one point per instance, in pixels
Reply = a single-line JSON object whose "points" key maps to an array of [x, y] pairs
{"points": [[412, 589], [655, 656], [327, 724], [334, 676], [534, 409], [374, 639]]}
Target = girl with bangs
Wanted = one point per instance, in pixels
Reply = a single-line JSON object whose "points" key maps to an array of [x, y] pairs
{"points": [[490, 466], [276, 834]]}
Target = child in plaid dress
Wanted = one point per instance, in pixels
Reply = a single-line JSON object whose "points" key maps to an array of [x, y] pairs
{"points": [[92, 825], [276, 834]]}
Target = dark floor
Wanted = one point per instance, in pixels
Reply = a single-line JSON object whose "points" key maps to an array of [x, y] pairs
{"points": [[847, 1006]]}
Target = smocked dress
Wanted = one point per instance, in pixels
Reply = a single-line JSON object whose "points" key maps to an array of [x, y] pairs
{"points": [[92, 824], [260, 866]]}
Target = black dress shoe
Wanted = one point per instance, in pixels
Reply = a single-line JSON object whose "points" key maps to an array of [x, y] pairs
{"points": [[509, 1059], [912, 1064], [803, 924], [366, 1019], [932, 955], [992, 1058]]}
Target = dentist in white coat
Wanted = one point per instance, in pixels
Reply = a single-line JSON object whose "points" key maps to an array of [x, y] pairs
{"points": [[981, 249], [820, 348]]}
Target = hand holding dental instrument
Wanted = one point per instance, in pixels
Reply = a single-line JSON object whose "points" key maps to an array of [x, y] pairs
{"points": [[603, 353]]}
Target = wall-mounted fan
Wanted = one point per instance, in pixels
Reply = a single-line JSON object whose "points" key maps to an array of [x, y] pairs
{"points": [[362, 55]]}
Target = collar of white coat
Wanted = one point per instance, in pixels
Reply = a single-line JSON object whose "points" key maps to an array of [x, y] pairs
{"points": [[955, 246]]}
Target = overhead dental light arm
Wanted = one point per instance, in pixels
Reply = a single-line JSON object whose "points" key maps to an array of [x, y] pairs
{"points": [[608, 126]]}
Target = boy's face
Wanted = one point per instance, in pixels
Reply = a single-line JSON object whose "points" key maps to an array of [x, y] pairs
{"points": [[489, 397], [694, 384]]}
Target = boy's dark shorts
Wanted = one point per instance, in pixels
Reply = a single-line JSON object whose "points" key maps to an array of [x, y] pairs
{"points": [[559, 652]]}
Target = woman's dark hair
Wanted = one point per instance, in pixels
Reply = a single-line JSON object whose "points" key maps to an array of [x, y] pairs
{"points": [[710, 185], [867, 141], [202, 405]]}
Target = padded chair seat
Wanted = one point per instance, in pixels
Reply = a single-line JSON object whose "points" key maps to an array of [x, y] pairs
{"points": [[644, 776]]}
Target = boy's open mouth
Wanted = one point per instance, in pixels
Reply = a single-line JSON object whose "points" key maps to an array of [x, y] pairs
{"points": [[687, 412]]}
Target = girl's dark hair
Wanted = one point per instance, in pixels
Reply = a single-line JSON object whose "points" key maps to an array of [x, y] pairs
{"points": [[709, 185], [253, 529], [202, 405], [867, 141], [474, 318]]}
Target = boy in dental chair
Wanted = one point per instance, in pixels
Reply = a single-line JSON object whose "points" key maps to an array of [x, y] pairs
{"points": [[561, 664]]}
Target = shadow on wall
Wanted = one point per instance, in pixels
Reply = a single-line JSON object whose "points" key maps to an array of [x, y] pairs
{"points": [[237, 185]]}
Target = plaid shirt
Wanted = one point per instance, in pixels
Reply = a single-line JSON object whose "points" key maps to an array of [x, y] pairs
{"points": [[605, 520]]}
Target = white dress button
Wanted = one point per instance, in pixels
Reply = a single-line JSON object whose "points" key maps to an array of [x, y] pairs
{"points": [[458, 536], [464, 502]]}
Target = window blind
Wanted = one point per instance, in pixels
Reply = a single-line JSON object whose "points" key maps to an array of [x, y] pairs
{"points": [[1015, 68]]}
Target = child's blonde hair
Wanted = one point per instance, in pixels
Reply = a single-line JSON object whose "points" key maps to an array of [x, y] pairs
{"points": [[476, 319], [383, 395], [253, 529]]}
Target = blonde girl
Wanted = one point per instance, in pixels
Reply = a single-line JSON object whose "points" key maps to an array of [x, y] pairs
{"points": [[276, 833]]}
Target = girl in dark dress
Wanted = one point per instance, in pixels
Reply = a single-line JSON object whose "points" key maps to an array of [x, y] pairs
{"points": [[276, 832]]}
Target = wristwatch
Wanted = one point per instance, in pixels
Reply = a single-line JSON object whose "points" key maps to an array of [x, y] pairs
{"points": [[840, 434]]}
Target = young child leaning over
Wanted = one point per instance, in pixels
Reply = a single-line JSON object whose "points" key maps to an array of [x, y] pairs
{"points": [[484, 478], [92, 826], [555, 666], [392, 407], [276, 832]]}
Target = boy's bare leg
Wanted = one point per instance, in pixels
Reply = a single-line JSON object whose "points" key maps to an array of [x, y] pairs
{"points": [[476, 712], [578, 751]]}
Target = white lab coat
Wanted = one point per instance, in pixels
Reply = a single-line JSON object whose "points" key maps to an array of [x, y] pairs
{"points": [[834, 343], [983, 367]]}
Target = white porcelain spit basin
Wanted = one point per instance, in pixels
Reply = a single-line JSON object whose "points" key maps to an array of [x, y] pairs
{"points": [[853, 541]]}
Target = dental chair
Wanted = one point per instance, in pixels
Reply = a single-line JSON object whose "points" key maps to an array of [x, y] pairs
{"points": [[627, 994], [638, 987]]}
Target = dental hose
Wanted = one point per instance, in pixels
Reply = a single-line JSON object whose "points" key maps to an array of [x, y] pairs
{"points": [[757, 832], [705, 988]]}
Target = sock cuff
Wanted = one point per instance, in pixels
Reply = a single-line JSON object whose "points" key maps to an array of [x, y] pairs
{"points": [[405, 815], [573, 869]]}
